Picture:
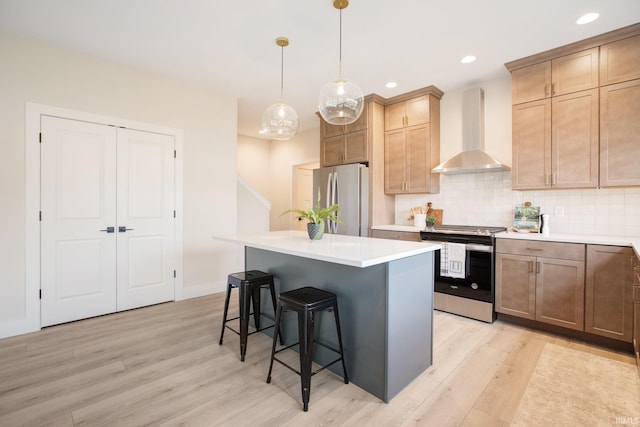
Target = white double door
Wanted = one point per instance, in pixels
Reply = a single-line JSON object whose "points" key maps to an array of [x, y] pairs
{"points": [[107, 225]]}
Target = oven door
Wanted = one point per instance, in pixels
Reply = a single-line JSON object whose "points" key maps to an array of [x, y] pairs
{"points": [[478, 281]]}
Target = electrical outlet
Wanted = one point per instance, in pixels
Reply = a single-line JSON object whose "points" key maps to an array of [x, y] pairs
{"points": [[559, 211]]}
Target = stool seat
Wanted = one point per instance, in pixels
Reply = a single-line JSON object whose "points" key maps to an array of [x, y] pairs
{"points": [[307, 301], [249, 284]]}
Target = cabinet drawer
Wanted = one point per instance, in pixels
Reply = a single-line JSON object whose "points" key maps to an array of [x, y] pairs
{"points": [[396, 235], [572, 251]]}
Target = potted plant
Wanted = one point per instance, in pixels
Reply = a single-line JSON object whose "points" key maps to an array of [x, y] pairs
{"points": [[431, 221], [316, 217]]}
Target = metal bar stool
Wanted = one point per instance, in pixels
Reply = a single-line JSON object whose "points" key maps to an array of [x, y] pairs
{"points": [[306, 302], [249, 284]]}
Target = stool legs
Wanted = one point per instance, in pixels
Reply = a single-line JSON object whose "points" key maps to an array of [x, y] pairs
{"points": [[226, 310], [245, 309], [273, 346], [305, 336], [337, 320], [249, 295]]}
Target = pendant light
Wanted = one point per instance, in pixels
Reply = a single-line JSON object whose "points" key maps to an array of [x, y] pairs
{"points": [[341, 101], [280, 121]]}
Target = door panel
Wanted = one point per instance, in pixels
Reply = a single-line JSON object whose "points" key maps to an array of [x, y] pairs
{"points": [[77, 202], [146, 231]]}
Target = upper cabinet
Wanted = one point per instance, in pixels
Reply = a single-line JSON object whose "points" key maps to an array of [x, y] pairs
{"points": [[567, 74], [342, 144], [412, 142], [620, 61], [573, 114]]}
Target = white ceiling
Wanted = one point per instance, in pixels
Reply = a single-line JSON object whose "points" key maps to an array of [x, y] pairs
{"points": [[229, 46]]}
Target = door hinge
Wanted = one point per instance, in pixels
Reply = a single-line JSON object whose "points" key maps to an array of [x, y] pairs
{"points": [[174, 213], [40, 138], [40, 294], [174, 274], [175, 154]]}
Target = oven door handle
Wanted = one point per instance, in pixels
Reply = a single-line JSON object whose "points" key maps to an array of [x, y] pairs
{"points": [[468, 246], [479, 248]]}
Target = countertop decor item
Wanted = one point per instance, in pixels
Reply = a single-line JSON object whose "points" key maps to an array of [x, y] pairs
{"points": [[526, 218], [316, 217]]}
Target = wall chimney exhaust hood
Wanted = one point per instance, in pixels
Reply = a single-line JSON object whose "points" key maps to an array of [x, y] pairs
{"points": [[473, 158]]}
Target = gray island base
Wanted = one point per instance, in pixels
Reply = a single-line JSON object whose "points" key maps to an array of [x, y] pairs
{"points": [[386, 307]]}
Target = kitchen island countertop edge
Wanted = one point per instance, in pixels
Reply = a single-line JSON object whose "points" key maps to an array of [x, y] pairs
{"points": [[354, 251]]}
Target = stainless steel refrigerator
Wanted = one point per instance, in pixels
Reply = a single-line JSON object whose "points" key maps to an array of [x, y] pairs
{"points": [[347, 186]]}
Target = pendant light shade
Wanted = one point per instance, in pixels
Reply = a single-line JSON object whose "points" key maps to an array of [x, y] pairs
{"points": [[340, 102], [280, 121]]}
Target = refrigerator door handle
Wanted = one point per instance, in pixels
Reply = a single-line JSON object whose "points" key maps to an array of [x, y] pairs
{"points": [[334, 200], [328, 194]]}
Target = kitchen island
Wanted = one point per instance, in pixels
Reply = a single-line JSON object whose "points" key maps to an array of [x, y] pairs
{"points": [[385, 298]]}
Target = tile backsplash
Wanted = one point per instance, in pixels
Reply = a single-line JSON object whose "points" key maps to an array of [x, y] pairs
{"points": [[487, 199]]}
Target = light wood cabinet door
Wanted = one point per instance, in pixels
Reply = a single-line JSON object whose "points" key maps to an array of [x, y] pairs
{"points": [[516, 285], [531, 83], [417, 111], [531, 140], [328, 130], [560, 292], [360, 124], [332, 150], [417, 160], [609, 287], [620, 134], [355, 147], [394, 115], [576, 72], [394, 157], [574, 140], [620, 61], [396, 235]]}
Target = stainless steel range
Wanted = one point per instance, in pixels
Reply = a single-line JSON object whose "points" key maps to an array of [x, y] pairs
{"points": [[465, 280]]}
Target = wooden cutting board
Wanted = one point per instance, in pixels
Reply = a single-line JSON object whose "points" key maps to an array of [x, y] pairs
{"points": [[437, 213]]}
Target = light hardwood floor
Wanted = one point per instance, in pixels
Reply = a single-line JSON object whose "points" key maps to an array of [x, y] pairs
{"points": [[162, 365]]}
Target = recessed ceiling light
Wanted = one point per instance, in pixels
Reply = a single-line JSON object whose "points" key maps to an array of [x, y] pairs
{"points": [[589, 17], [468, 59], [391, 85]]}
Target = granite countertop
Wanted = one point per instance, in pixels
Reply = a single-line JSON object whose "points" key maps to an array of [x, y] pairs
{"points": [[336, 248]]}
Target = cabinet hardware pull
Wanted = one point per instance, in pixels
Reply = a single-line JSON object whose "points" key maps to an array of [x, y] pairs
{"points": [[546, 179], [546, 90], [553, 88], [530, 266], [553, 179], [538, 267], [533, 249]]}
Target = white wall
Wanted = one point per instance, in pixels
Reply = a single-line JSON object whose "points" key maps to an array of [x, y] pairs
{"points": [[253, 163], [487, 198], [40, 73], [268, 167], [304, 147]]}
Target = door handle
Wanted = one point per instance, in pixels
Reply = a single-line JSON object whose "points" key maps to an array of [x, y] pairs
{"points": [[123, 229], [109, 229]]}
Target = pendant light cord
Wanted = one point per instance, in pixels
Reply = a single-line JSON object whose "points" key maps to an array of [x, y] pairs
{"points": [[281, 74], [340, 57]]}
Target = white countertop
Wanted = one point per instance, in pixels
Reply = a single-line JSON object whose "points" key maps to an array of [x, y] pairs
{"points": [[590, 239], [347, 250]]}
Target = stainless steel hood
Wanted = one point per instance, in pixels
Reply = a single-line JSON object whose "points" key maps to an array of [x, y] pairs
{"points": [[473, 158]]}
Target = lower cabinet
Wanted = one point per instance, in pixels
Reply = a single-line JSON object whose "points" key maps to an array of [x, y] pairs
{"points": [[609, 292], [542, 281], [587, 288], [412, 236]]}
